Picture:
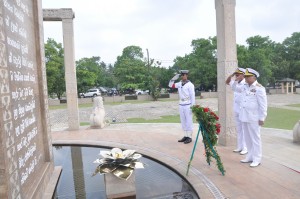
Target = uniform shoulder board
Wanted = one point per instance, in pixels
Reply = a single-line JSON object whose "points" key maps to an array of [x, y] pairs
{"points": [[259, 85]]}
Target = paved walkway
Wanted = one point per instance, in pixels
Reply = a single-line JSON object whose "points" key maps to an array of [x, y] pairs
{"points": [[277, 177]]}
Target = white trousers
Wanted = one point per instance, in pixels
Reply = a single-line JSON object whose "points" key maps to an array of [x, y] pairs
{"points": [[241, 144], [186, 118], [253, 141]]}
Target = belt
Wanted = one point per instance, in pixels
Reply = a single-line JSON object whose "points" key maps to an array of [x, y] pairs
{"points": [[184, 104]]}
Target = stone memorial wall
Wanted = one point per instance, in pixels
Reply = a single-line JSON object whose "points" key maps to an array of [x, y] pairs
{"points": [[25, 163]]}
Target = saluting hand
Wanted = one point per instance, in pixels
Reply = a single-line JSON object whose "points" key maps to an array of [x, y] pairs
{"points": [[229, 79], [175, 77]]}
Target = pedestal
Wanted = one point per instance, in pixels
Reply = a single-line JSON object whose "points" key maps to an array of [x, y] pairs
{"points": [[117, 188], [296, 132]]}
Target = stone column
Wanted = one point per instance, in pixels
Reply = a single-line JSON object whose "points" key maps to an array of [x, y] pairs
{"points": [[227, 62], [292, 86], [282, 88], [70, 74], [287, 87], [66, 15]]}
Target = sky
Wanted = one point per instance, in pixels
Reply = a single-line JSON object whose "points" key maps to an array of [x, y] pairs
{"points": [[165, 27]]}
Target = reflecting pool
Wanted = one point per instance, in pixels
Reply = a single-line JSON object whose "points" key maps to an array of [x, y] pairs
{"points": [[76, 181]]}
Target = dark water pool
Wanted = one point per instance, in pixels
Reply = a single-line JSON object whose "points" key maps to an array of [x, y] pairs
{"points": [[76, 181]]}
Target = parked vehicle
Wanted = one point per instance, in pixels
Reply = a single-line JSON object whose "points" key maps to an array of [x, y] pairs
{"points": [[142, 92], [91, 93], [103, 90], [128, 91], [112, 92]]}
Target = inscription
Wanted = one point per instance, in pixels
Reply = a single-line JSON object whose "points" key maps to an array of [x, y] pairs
{"points": [[19, 130], [28, 170], [22, 93], [25, 141], [29, 153], [18, 89], [20, 111], [20, 77]]}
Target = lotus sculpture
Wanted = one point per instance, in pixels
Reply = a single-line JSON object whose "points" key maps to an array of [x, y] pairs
{"points": [[119, 163]]}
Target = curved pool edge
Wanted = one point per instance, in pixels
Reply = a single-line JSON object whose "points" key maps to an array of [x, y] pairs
{"points": [[202, 185]]}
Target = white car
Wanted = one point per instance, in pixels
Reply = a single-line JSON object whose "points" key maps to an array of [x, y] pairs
{"points": [[142, 92], [91, 93]]}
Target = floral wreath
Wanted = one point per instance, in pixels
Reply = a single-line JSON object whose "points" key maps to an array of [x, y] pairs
{"points": [[210, 128]]}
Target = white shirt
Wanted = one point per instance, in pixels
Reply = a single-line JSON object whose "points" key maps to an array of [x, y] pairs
{"points": [[186, 93], [237, 95], [253, 105]]}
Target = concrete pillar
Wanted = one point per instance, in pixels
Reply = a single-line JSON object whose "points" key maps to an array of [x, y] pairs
{"points": [[70, 74], [66, 15], [227, 62], [287, 87], [292, 86], [282, 88]]}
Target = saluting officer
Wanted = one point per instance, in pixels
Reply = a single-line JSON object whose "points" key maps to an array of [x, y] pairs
{"points": [[252, 115], [239, 77], [186, 100]]}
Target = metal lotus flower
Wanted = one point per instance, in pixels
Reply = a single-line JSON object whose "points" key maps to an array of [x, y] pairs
{"points": [[119, 163]]}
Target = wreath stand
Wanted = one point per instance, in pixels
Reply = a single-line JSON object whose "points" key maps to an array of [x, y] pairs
{"points": [[209, 150]]}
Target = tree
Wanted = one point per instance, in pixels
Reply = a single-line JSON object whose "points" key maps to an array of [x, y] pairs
{"points": [[88, 72], [260, 54], [291, 53], [201, 62], [242, 56], [55, 69], [130, 69]]}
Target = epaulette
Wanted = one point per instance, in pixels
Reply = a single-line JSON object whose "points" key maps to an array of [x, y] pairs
{"points": [[259, 85]]}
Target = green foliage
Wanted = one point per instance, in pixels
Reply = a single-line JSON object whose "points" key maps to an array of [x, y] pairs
{"points": [[88, 72], [259, 57], [202, 62], [54, 56], [291, 53], [130, 69]]}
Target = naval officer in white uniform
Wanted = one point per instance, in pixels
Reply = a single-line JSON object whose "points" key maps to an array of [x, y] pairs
{"points": [[238, 74], [186, 100], [252, 115]]}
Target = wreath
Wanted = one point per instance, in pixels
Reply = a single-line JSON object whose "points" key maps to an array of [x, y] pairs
{"points": [[210, 129]]}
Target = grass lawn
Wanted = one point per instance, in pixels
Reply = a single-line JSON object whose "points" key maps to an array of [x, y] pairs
{"points": [[277, 118], [282, 118], [163, 119], [295, 105], [84, 123]]}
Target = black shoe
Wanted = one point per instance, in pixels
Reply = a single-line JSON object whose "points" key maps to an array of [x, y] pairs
{"points": [[188, 140], [182, 139]]}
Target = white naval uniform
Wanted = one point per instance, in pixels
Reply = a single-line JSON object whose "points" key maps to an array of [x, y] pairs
{"points": [[186, 100], [253, 109], [241, 144]]}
